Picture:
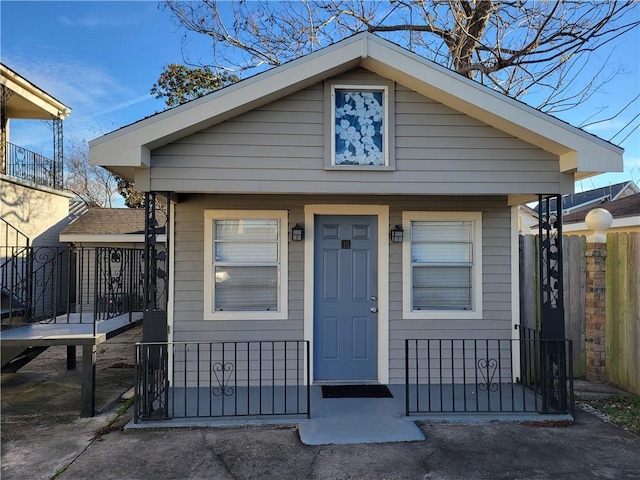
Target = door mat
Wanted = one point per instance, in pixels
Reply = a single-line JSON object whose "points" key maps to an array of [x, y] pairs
{"points": [[355, 391]]}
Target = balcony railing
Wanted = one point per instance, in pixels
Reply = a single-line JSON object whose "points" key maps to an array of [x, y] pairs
{"points": [[33, 167], [63, 285]]}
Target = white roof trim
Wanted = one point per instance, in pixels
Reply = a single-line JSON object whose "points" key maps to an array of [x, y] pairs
{"points": [[577, 150], [106, 238], [30, 92]]}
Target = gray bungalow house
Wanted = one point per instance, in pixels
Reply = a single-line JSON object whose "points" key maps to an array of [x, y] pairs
{"points": [[359, 200]]}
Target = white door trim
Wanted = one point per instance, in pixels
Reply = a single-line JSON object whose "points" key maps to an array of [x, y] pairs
{"points": [[382, 212]]}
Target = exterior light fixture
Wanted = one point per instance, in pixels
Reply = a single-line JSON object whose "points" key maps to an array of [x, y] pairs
{"points": [[297, 233], [396, 234]]}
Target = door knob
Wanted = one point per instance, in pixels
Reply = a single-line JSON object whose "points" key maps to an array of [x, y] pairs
{"points": [[374, 309]]}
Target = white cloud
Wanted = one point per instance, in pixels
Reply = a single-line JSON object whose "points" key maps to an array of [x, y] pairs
{"points": [[93, 21]]}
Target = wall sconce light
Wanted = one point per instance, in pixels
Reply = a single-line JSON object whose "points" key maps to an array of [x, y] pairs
{"points": [[396, 234], [297, 233]]}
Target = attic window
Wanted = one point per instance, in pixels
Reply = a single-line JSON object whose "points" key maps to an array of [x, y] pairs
{"points": [[359, 126]]}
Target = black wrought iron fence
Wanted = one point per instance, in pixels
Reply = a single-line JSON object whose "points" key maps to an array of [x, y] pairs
{"points": [[31, 166], [461, 375], [222, 379]]}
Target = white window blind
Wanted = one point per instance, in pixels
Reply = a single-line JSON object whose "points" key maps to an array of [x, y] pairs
{"points": [[246, 265], [441, 265]]}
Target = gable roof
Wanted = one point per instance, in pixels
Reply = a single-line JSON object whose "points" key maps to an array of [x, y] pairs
{"points": [[109, 224], [620, 208], [579, 152]]}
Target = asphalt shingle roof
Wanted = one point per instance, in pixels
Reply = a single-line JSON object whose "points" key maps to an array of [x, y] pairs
{"points": [[112, 221], [623, 207]]}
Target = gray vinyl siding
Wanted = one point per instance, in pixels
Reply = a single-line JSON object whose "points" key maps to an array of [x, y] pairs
{"points": [[279, 148], [189, 272]]}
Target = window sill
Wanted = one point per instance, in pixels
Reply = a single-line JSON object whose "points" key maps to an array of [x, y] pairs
{"points": [[360, 168]]}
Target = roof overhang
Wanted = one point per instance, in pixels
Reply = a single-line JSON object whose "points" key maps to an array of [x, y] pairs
{"points": [[106, 238], [29, 101], [579, 153]]}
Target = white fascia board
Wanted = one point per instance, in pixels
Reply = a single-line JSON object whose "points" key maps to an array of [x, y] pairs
{"points": [[121, 147], [106, 238], [578, 150], [33, 94]]}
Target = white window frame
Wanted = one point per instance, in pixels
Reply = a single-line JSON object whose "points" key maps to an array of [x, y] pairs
{"points": [[388, 122], [476, 271], [210, 216]]}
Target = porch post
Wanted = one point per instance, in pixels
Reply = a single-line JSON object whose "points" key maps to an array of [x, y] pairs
{"points": [[553, 351], [598, 221], [156, 279], [88, 380]]}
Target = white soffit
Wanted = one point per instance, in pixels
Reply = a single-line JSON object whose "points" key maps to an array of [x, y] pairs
{"points": [[29, 101], [578, 151]]}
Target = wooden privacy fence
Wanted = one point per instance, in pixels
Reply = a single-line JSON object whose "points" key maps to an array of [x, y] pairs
{"points": [[622, 304], [622, 323]]}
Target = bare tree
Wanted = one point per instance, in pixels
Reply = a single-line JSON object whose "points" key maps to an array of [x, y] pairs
{"points": [[95, 185], [516, 47]]}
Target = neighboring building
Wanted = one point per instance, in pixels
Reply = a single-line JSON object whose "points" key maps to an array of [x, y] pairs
{"points": [[527, 219], [34, 208], [101, 231], [574, 202], [625, 212], [32, 200], [355, 198], [108, 227]]}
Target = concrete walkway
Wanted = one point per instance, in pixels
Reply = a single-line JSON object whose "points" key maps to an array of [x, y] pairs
{"points": [[358, 420]]}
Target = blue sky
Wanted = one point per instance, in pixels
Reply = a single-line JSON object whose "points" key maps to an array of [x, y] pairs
{"points": [[101, 59]]}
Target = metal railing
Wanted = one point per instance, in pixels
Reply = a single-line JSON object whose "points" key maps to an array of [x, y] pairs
{"points": [[460, 375], [63, 285], [221, 379], [31, 166]]}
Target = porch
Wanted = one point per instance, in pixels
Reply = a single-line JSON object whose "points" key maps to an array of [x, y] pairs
{"points": [[254, 383]]}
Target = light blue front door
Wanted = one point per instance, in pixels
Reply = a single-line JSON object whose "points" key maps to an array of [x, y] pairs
{"points": [[345, 298]]}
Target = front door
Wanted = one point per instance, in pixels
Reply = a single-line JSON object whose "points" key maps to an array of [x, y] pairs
{"points": [[345, 328]]}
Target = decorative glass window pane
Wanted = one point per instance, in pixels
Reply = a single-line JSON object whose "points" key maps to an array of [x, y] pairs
{"points": [[359, 124]]}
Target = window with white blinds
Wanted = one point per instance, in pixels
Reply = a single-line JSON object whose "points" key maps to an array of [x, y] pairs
{"points": [[245, 258], [442, 263]]}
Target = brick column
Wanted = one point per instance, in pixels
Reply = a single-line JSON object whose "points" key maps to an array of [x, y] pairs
{"points": [[595, 311], [598, 221]]}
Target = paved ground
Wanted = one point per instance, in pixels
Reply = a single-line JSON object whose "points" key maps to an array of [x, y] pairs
{"points": [[41, 440]]}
